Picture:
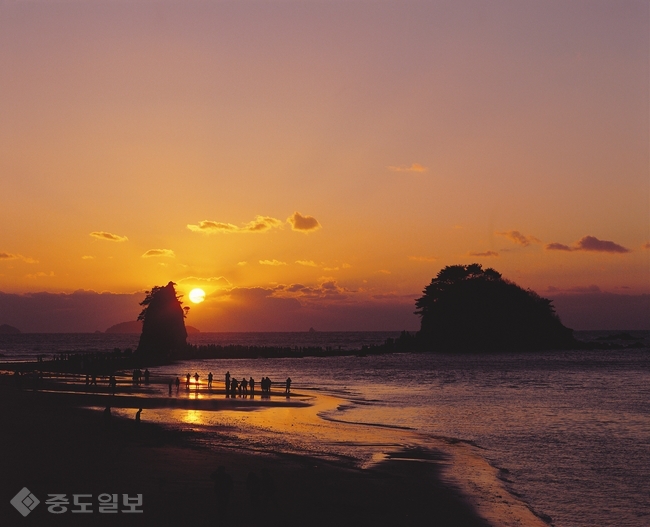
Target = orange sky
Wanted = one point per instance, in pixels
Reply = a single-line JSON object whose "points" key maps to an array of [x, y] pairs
{"points": [[322, 153]]}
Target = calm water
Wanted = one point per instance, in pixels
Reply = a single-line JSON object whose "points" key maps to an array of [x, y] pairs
{"points": [[571, 428]]}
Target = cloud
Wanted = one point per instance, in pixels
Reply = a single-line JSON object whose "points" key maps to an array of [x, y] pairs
{"points": [[415, 167], [159, 252], [590, 244], [86, 257], [557, 247], [517, 237], [259, 224], [306, 263], [101, 235], [484, 254], [241, 264], [303, 223], [272, 262], [384, 271], [423, 258], [9, 256]]}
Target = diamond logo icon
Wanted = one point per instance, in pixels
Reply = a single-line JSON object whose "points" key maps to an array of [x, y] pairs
{"points": [[24, 502]]}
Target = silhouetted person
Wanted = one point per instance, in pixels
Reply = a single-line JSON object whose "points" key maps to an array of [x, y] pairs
{"points": [[244, 386], [223, 488], [287, 390], [178, 383], [107, 413], [251, 384], [196, 379], [210, 380], [187, 381], [254, 487], [227, 383], [137, 416], [112, 382], [170, 387], [146, 376], [233, 387], [87, 379], [94, 381]]}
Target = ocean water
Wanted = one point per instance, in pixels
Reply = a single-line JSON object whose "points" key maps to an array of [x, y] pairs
{"points": [[569, 430]]}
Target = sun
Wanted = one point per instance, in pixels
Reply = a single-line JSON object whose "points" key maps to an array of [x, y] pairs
{"points": [[197, 295]]}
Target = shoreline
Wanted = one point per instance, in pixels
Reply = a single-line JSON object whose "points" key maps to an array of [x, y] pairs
{"points": [[59, 448]]}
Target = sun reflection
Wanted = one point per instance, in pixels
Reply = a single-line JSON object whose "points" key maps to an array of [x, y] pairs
{"points": [[193, 417]]}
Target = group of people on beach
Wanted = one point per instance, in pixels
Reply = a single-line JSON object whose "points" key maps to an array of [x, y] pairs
{"points": [[233, 387]]}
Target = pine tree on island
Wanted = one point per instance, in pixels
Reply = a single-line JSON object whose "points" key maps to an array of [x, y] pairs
{"points": [[163, 324], [468, 308]]}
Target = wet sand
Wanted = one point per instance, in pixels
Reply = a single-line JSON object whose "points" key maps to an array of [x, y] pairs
{"points": [[51, 446]]}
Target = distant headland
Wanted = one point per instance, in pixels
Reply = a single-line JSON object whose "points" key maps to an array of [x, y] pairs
{"points": [[6, 329]]}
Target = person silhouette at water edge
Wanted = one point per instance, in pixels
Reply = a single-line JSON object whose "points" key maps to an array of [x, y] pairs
{"points": [[227, 383], [137, 416], [251, 384], [187, 381], [210, 380], [178, 384], [288, 387]]}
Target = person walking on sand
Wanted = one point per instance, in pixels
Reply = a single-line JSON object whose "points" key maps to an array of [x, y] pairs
{"points": [[137, 416], [227, 383], [288, 388], [210, 380], [196, 379], [187, 381]]}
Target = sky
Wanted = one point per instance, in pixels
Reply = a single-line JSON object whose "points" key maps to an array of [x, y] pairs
{"points": [[316, 163]]}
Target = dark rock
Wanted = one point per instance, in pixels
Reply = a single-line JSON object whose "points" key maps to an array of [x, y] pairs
{"points": [[467, 308]]}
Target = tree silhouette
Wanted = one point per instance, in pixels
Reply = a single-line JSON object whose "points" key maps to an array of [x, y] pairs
{"points": [[467, 307], [163, 324]]}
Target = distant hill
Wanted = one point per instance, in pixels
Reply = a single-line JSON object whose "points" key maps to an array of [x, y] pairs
{"points": [[135, 326], [6, 329]]}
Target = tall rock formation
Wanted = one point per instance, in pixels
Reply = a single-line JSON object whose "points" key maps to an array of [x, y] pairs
{"points": [[163, 324]]}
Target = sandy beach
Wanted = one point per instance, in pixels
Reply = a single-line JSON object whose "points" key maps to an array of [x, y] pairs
{"points": [[49, 445]]}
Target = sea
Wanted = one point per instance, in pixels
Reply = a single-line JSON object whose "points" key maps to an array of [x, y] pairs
{"points": [[567, 432]]}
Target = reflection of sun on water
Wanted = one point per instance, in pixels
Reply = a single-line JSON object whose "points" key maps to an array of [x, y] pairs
{"points": [[193, 417]]}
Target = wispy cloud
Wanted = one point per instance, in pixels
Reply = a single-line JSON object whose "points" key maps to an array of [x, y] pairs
{"points": [[10, 256], [415, 167], [168, 253], [519, 238], [87, 257], [241, 264], [485, 254], [306, 263], [590, 244], [272, 262], [102, 235], [259, 224], [302, 223]]}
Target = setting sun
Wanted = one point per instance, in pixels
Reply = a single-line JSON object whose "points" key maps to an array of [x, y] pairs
{"points": [[197, 295]]}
